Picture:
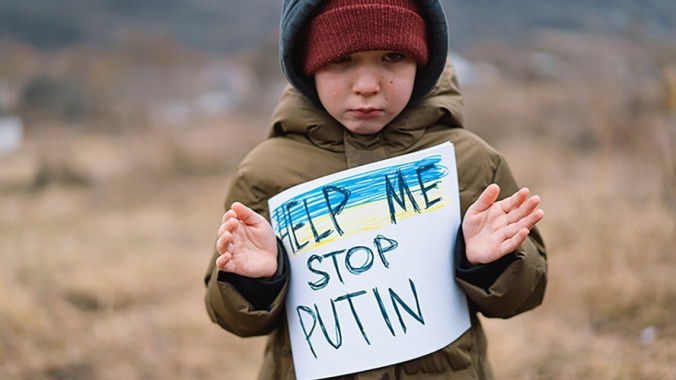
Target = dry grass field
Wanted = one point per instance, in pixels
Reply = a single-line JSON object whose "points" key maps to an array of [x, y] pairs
{"points": [[104, 239]]}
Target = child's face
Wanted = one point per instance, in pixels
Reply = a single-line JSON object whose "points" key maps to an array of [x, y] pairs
{"points": [[365, 91]]}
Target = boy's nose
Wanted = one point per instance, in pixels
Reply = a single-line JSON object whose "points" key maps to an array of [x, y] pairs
{"points": [[366, 82]]}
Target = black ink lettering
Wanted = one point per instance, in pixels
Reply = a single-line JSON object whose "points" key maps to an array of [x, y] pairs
{"points": [[302, 325], [367, 264], [424, 189], [382, 250], [395, 297], [334, 211], [349, 297], [386, 317], [322, 282], [333, 255], [339, 335], [401, 201], [317, 236]]}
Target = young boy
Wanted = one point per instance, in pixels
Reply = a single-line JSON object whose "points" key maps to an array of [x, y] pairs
{"points": [[371, 81]]}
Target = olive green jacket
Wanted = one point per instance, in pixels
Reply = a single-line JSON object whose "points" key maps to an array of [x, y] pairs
{"points": [[306, 143]]}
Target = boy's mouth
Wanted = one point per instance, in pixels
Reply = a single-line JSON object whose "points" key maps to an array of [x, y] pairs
{"points": [[366, 112]]}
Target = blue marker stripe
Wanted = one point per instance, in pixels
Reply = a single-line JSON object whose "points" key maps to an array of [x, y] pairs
{"points": [[364, 187]]}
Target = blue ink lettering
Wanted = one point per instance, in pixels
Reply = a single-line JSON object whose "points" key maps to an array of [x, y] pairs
{"points": [[386, 317], [349, 297], [339, 335], [367, 263], [334, 211], [296, 227], [333, 255], [382, 250], [284, 233], [382, 244], [395, 297], [302, 325], [322, 282], [424, 189], [317, 237], [401, 201]]}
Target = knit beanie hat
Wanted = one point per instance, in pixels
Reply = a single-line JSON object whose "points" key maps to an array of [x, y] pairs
{"points": [[342, 27], [295, 42]]}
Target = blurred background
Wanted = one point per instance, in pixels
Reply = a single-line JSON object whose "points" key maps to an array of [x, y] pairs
{"points": [[121, 122]]}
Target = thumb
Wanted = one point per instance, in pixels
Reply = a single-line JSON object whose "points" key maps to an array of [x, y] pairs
{"points": [[486, 199], [245, 214]]}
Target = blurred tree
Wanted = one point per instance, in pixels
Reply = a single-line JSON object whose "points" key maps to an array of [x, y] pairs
{"points": [[45, 97]]}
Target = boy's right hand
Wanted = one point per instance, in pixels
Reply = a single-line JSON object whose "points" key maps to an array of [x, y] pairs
{"points": [[246, 243]]}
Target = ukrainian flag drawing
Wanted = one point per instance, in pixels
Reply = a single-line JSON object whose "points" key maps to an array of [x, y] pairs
{"points": [[361, 202]]}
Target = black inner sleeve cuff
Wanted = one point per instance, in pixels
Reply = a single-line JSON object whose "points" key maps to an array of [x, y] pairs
{"points": [[260, 292], [482, 275]]}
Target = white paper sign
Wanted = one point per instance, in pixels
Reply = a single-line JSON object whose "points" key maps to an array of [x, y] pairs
{"points": [[371, 253]]}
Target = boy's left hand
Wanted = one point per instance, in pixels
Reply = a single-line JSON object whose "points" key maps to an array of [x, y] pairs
{"points": [[493, 229]]}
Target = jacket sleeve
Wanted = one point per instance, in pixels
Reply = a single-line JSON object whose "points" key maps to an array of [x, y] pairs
{"points": [[516, 282], [245, 307], [261, 292]]}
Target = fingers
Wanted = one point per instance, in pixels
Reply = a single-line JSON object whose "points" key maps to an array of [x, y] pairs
{"points": [[228, 225], [523, 209], [520, 221], [515, 200], [228, 215], [511, 244], [246, 215], [226, 231], [244, 245], [486, 199], [223, 242], [225, 263], [534, 218], [520, 209], [527, 222]]}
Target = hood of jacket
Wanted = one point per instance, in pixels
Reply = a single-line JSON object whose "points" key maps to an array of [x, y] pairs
{"points": [[295, 13], [442, 108]]}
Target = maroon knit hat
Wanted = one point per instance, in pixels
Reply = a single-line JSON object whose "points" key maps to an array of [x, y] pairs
{"points": [[343, 27]]}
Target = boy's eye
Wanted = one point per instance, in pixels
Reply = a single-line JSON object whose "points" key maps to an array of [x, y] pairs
{"points": [[393, 57], [343, 59]]}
